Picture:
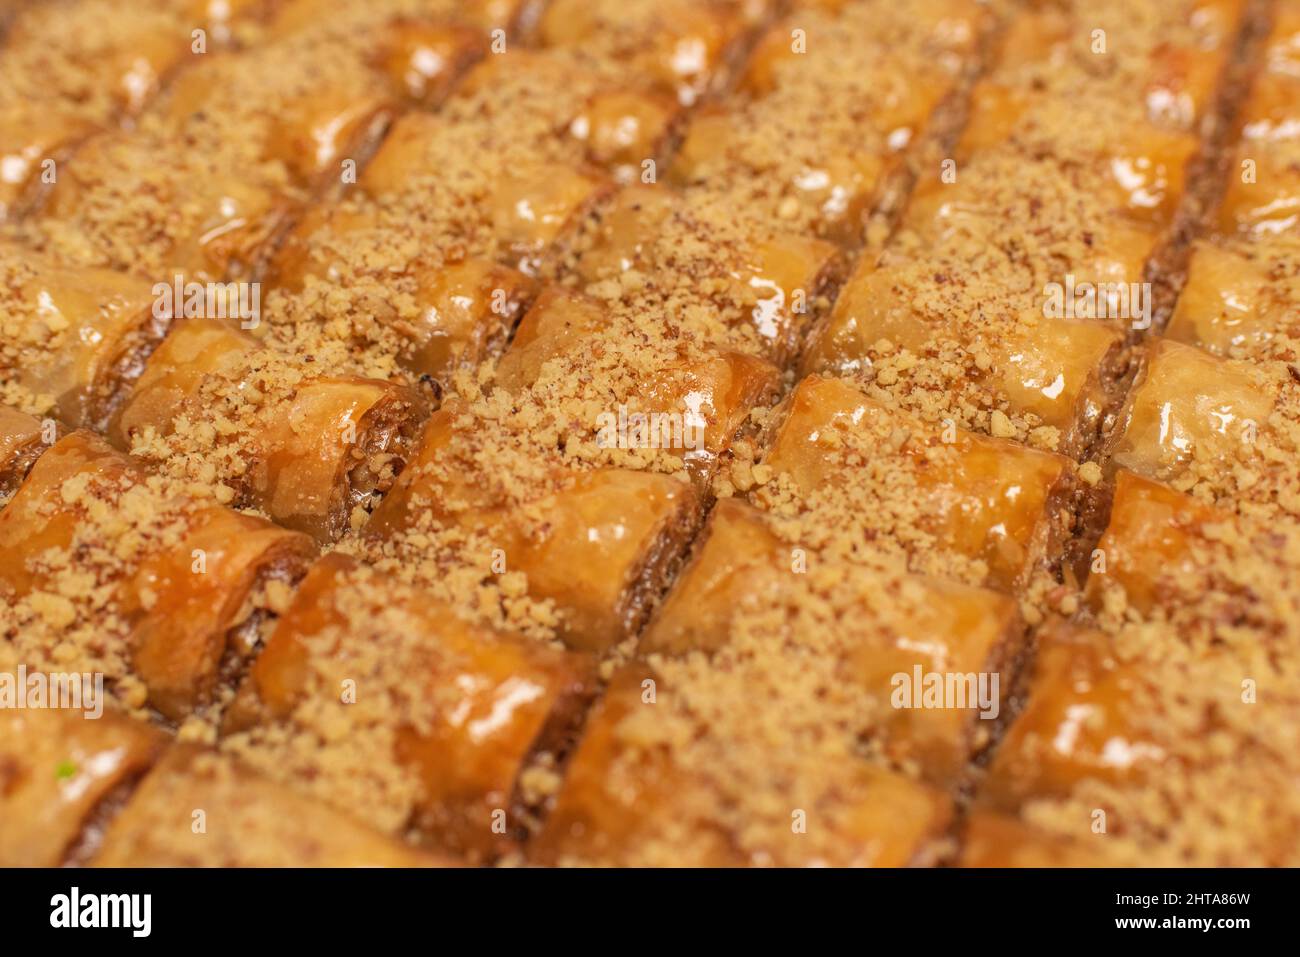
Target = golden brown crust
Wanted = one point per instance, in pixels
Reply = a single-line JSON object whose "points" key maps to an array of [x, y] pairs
{"points": [[22, 440], [55, 767], [809, 147], [261, 129], [72, 67], [724, 342], [595, 544], [332, 688], [214, 405], [1224, 430], [74, 336], [992, 840], [724, 758], [198, 809], [850, 476], [108, 569], [1177, 681]]}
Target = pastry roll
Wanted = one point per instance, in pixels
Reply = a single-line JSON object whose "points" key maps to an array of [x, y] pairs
{"points": [[78, 335], [200, 809], [712, 394], [622, 129], [467, 311], [525, 212], [319, 129], [424, 60], [1186, 73], [996, 109], [101, 212], [635, 797], [1083, 720], [559, 321], [1169, 555], [1192, 408], [22, 440], [1183, 80], [1114, 251], [1175, 57], [32, 143], [682, 47], [1145, 170], [162, 588], [955, 492], [318, 122], [1152, 530], [440, 313], [949, 28], [1263, 197], [1266, 201], [483, 701], [837, 193], [731, 559], [571, 106], [1050, 368], [926, 626], [605, 811], [62, 773], [420, 49], [531, 208], [1148, 163], [1270, 111], [307, 450], [224, 19], [1238, 300], [597, 543], [763, 287]]}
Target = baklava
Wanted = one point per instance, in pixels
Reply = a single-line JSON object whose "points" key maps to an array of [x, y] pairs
{"points": [[650, 433]]}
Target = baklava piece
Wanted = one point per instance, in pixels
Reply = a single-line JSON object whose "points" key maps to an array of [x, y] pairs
{"points": [[363, 672], [215, 405], [108, 569], [59, 769], [200, 809]]}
